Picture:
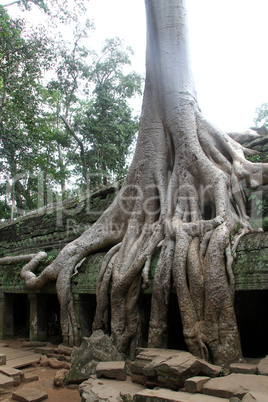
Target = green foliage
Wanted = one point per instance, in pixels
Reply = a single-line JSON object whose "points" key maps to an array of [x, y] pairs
{"points": [[261, 118], [258, 203], [105, 124], [51, 256], [78, 123]]}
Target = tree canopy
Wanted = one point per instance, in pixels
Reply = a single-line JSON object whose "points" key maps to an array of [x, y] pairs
{"points": [[63, 108]]}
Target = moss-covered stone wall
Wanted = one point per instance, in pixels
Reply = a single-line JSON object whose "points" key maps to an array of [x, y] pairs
{"points": [[52, 228]]}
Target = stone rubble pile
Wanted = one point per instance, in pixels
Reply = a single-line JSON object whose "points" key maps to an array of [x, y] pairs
{"points": [[176, 376]]}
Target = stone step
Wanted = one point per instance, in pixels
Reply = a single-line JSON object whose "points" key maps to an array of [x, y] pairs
{"points": [[167, 395], [45, 350], [115, 370], [30, 377], [29, 395], [6, 381], [24, 361], [243, 368], [195, 384], [13, 373], [236, 385]]}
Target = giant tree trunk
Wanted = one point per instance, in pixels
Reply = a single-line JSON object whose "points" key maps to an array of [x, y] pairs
{"points": [[184, 194]]}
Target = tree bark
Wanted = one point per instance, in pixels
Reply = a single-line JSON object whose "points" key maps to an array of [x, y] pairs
{"points": [[184, 193]]}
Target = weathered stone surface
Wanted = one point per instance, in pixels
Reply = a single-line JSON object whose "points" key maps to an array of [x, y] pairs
{"points": [[255, 396], [59, 379], [97, 348], [100, 390], [263, 366], [25, 361], [236, 385], [13, 373], [6, 381], [3, 360], [243, 368], [29, 395], [169, 368], [10, 371], [45, 349], [116, 370], [166, 395], [195, 384], [65, 350], [30, 377]]}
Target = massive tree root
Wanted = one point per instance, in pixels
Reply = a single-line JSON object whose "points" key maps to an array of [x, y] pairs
{"points": [[184, 193]]}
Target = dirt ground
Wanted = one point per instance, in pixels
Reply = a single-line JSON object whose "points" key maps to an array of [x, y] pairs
{"points": [[45, 382]]}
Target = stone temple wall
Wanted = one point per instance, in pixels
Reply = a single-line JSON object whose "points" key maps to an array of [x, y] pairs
{"points": [[52, 228]]}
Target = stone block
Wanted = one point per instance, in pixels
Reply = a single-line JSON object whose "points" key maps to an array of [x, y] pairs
{"points": [[29, 395], [195, 384], [166, 395], [98, 348], [64, 350], [13, 373], [115, 370], [236, 385], [6, 381], [169, 368], [3, 360], [255, 396], [263, 366], [45, 350], [29, 377], [10, 371], [243, 368]]}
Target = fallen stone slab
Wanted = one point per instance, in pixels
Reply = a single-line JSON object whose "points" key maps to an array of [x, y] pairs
{"points": [[236, 385], [169, 368], [29, 377], [45, 350], [29, 395], [6, 381], [195, 384], [116, 370], [166, 395], [243, 368], [64, 350], [263, 366], [98, 348], [255, 396], [13, 373], [105, 389], [10, 371], [24, 361]]}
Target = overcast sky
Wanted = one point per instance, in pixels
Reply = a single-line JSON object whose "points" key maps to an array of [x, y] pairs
{"points": [[228, 42]]}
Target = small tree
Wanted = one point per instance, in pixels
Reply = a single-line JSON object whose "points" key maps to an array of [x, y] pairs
{"points": [[105, 123], [20, 72]]}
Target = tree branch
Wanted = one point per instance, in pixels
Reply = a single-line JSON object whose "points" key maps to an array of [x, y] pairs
{"points": [[81, 145], [11, 4]]}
